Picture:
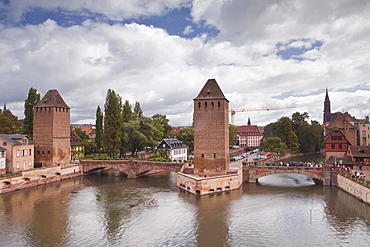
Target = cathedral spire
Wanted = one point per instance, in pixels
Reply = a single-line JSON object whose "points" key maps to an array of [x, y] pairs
{"points": [[327, 111]]}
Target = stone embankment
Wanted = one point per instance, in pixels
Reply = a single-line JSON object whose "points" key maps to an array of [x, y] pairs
{"points": [[356, 189], [38, 176]]}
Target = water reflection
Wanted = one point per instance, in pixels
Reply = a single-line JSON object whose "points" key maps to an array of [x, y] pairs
{"points": [[286, 180], [111, 210]]}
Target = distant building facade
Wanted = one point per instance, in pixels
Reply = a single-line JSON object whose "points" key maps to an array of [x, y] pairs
{"points": [[360, 157], [2, 160], [249, 136], [51, 130], [176, 149], [364, 132], [77, 147], [19, 152], [344, 135]]}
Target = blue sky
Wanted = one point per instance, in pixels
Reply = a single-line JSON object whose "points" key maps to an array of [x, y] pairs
{"points": [[275, 54]]}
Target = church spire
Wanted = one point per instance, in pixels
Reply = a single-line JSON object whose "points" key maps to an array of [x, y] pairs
{"points": [[249, 121], [327, 111]]}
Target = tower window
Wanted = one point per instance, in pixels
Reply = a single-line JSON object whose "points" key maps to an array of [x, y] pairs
{"points": [[214, 155], [202, 155], [219, 104], [199, 104], [212, 104], [205, 104]]}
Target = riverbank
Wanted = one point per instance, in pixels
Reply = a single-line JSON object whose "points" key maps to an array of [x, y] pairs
{"points": [[38, 176]]}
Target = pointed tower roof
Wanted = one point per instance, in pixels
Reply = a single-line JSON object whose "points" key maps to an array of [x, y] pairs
{"points": [[52, 99], [211, 90]]}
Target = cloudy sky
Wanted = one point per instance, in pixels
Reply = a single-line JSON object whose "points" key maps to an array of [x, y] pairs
{"points": [[263, 54]]}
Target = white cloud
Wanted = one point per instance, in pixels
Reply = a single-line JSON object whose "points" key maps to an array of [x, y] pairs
{"points": [[164, 73], [188, 30]]}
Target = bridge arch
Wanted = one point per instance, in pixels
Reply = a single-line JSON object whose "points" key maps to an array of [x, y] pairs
{"points": [[132, 168], [253, 173]]}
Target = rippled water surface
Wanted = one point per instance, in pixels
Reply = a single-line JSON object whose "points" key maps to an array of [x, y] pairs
{"points": [[111, 210]]}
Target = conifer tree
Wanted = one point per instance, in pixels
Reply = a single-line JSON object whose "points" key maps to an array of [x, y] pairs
{"points": [[112, 122], [99, 130], [32, 99]]}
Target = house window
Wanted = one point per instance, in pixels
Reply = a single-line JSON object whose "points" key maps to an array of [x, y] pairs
{"points": [[18, 153], [25, 142], [29, 151], [214, 155], [340, 146], [4, 143], [202, 155], [332, 146]]}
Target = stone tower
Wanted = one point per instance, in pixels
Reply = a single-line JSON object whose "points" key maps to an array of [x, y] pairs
{"points": [[327, 111], [51, 130], [211, 131]]}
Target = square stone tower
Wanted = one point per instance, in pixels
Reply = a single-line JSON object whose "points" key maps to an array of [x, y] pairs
{"points": [[51, 130], [211, 131]]}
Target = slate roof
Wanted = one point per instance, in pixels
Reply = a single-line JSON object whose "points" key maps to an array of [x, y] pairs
{"points": [[360, 151], [13, 139], [171, 144], [52, 99], [2, 149], [211, 90], [248, 130], [75, 140]]}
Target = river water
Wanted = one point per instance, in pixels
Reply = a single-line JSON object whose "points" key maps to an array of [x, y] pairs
{"points": [[110, 210]]}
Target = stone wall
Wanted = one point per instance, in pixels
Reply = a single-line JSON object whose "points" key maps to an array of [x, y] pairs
{"points": [[37, 177], [359, 191], [203, 184]]}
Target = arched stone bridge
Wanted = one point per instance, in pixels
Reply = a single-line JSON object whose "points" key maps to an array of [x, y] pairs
{"points": [[133, 168], [320, 175]]}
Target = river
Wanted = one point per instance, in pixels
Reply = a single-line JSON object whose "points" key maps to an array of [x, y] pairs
{"points": [[108, 209]]}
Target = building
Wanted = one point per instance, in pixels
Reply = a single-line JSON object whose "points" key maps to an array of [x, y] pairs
{"points": [[328, 116], [211, 171], [77, 146], [336, 144], [211, 131], [89, 129], [249, 136], [176, 150], [360, 157], [51, 130], [364, 132], [19, 152], [2, 160]]}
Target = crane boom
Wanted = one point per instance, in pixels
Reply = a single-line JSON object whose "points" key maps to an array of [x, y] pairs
{"points": [[234, 111]]}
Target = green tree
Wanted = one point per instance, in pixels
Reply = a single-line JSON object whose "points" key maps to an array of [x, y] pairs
{"points": [[112, 122], [83, 136], [138, 112], [233, 137], [9, 123], [32, 99], [161, 123], [273, 144], [270, 130], [99, 138], [127, 112], [186, 135]]}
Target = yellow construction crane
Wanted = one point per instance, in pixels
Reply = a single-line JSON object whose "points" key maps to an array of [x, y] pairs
{"points": [[234, 111]]}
